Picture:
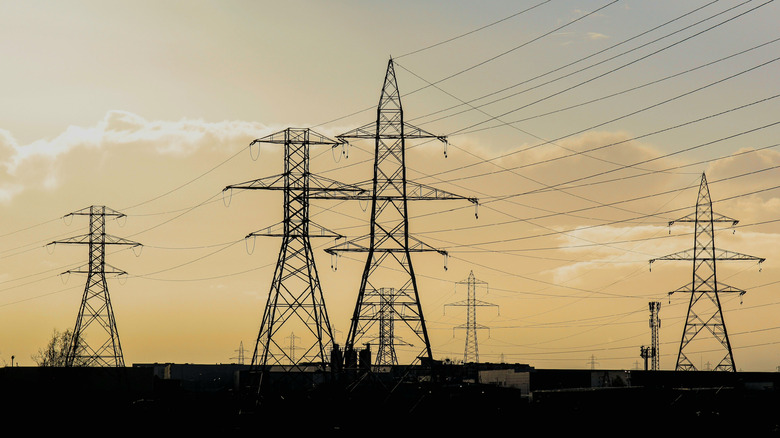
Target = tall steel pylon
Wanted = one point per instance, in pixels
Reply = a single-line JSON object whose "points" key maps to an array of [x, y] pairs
{"points": [[471, 351], [295, 300], [95, 340], [388, 243], [704, 309]]}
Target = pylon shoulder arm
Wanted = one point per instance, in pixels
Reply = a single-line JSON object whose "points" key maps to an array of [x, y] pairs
{"points": [[359, 244], [84, 238], [722, 254], [114, 240], [416, 191], [326, 188], [681, 255], [274, 182]]}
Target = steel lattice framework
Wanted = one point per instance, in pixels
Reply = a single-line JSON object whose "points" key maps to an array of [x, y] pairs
{"points": [[388, 243], [655, 325], [389, 300], [295, 300], [704, 310], [95, 340], [471, 351]]}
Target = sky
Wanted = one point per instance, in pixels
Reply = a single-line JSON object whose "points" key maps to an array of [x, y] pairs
{"points": [[584, 128]]}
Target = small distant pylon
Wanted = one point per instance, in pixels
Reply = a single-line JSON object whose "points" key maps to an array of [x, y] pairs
{"points": [[471, 351], [390, 304], [295, 300], [240, 351], [389, 244], [292, 346], [705, 314], [95, 341], [592, 362]]}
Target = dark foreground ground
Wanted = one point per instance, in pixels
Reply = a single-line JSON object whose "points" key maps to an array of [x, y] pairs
{"points": [[136, 401]]}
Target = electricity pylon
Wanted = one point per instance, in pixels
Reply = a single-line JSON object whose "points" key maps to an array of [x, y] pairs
{"points": [[95, 340], [704, 309], [388, 243], [389, 301], [240, 352], [471, 352], [295, 300]]}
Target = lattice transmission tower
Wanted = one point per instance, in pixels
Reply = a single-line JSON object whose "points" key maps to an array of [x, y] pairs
{"points": [[705, 314], [389, 244], [471, 351], [295, 300], [95, 340]]}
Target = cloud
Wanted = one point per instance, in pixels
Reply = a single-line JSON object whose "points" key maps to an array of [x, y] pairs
{"points": [[36, 165], [596, 36]]}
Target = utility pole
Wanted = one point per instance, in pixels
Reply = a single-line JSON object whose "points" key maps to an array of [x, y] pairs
{"points": [[593, 362], [705, 314], [95, 340], [295, 300], [389, 244], [471, 352]]}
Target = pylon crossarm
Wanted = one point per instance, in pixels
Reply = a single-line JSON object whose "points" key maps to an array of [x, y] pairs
{"points": [[721, 289], [369, 131], [355, 245], [278, 230], [113, 240], [267, 183], [296, 135], [326, 188], [107, 270], [716, 217], [421, 192], [464, 303], [417, 245], [105, 211], [85, 239], [720, 255]]}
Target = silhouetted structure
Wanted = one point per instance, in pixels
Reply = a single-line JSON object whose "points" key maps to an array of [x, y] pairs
{"points": [[704, 310], [95, 340], [651, 354], [388, 244], [471, 351], [295, 300], [655, 326]]}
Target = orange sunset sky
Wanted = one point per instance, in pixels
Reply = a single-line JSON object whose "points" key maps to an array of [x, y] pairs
{"points": [[583, 126]]}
